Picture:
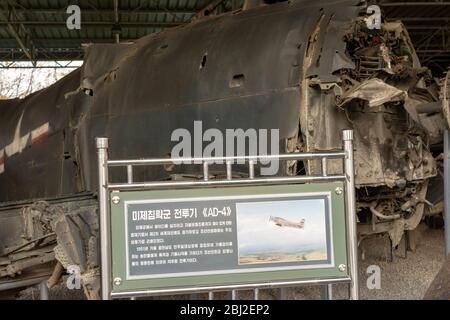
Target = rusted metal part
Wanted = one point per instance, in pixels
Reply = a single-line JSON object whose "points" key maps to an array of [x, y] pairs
{"points": [[56, 275], [445, 98], [17, 267], [440, 287], [33, 242], [380, 94], [23, 281], [382, 216], [41, 220], [77, 234]]}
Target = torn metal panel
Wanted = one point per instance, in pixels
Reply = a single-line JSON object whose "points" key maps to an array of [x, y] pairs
{"points": [[383, 100], [375, 91], [101, 61], [330, 51]]}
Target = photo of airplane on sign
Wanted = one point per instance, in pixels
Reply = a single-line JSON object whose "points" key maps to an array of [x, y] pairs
{"points": [[286, 223]]}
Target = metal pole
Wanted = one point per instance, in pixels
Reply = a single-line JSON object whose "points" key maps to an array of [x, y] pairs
{"points": [[116, 19], [251, 169], [324, 167], [327, 289], [206, 178], [14, 284], [281, 157], [326, 292], [447, 189], [283, 294], [347, 137], [130, 174], [205, 171], [220, 182], [229, 172], [102, 152], [251, 175], [43, 289], [256, 293], [247, 286], [229, 177], [234, 293]]}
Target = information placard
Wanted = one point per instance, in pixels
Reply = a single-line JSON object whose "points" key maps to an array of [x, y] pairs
{"points": [[223, 236]]}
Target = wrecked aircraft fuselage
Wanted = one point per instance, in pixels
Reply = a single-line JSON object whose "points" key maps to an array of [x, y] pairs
{"points": [[308, 69]]}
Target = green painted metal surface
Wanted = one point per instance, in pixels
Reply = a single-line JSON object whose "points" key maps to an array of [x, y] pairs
{"points": [[118, 234]]}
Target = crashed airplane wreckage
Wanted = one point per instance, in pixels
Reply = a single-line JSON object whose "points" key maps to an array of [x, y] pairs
{"points": [[309, 69]]}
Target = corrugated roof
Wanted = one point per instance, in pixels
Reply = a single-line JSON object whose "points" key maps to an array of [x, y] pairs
{"points": [[428, 24], [42, 24], [44, 21]]}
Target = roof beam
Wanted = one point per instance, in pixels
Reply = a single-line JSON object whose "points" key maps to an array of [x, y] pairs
{"points": [[102, 12], [14, 65], [421, 27], [42, 54], [116, 29], [35, 23], [18, 30], [433, 51], [419, 19], [63, 44], [413, 4]]}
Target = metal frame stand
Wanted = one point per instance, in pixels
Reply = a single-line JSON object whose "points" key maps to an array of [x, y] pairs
{"points": [[447, 189], [327, 292], [43, 290], [352, 234], [348, 177], [105, 222]]}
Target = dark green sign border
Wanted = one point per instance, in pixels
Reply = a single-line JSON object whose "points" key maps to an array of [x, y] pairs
{"points": [[118, 237]]}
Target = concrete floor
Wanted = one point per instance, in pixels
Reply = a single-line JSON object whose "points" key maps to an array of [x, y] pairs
{"points": [[404, 278], [401, 279]]}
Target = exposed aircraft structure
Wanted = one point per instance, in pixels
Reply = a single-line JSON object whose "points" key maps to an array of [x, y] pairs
{"points": [[308, 68]]}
